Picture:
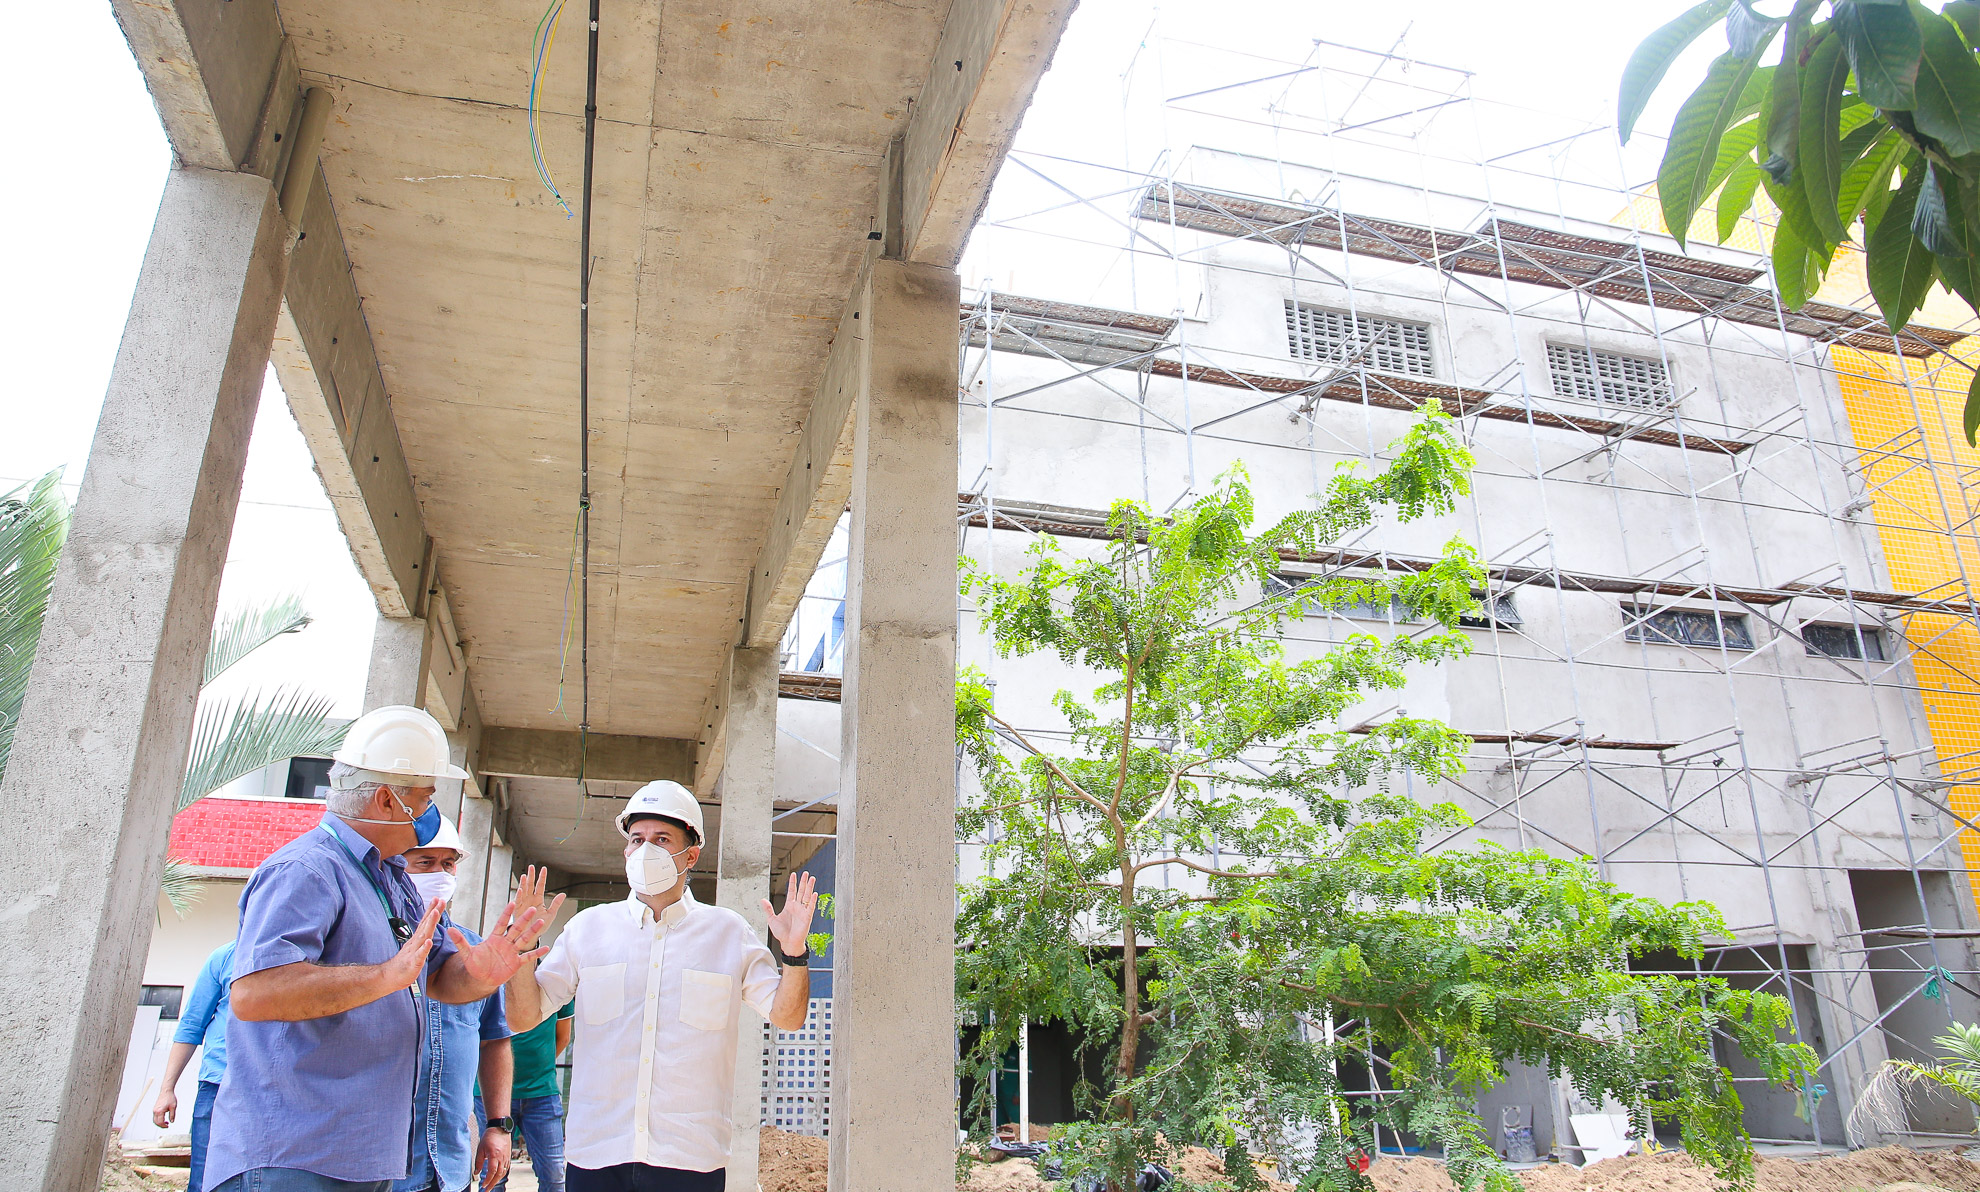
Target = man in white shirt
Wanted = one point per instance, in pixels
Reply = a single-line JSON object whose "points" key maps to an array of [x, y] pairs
{"points": [[660, 980]]}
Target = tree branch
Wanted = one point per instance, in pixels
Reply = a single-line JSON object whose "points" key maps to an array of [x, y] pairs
{"points": [[1149, 864]]}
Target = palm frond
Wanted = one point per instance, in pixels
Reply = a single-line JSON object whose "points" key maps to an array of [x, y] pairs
{"points": [[241, 631], [234, 738], [34, 522], [180, 886]]}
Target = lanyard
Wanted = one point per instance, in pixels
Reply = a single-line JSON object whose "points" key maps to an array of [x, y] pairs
{"points": [[391, 917], [375, 887]]}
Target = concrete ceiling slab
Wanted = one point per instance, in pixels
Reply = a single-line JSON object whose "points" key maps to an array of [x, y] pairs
{"points": [[738, 159]]}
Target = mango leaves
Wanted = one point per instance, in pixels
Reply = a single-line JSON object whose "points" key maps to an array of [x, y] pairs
{"points": [[1868, 119]]}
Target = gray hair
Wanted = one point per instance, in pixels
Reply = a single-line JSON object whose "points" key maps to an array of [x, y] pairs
{"points": [[351, 788]]}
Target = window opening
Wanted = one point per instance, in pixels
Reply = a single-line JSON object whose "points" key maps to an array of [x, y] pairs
{"points": [[1495, 611], [1686, 627], [1607, 378], [1843, 641], [1341, 337]]}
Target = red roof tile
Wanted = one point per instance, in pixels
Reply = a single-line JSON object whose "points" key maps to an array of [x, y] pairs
{"points": [[231, 833]]}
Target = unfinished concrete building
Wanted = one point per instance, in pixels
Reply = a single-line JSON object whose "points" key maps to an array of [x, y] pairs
{"points": [[1726, 649], [586, 430]]}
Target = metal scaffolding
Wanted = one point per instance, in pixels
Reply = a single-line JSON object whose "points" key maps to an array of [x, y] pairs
{"points": [[1367, 177]]}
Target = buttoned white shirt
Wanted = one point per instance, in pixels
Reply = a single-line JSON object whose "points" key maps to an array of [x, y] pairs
{"points": [[654, 1045]]}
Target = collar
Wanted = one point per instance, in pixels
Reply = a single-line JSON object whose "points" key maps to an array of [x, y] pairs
{"points": [[641, 915], [363, 849]]}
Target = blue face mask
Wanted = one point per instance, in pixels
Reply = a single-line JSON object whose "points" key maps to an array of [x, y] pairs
{"points": [[425, 826]]}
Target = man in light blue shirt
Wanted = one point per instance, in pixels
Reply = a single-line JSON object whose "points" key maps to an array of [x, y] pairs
{"points": [[332, 970], [202, 1026], [449, 1145]]}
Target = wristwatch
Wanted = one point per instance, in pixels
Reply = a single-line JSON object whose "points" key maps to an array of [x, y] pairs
{"points": [[506, 1125], [801, 960]]}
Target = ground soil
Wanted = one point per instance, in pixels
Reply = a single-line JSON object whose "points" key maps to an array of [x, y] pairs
{"points": [[121, 1175], [1671, 1171], [795, 1163]]}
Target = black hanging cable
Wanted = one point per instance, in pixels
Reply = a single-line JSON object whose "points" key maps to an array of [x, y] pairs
{"points": [[584, 400]]}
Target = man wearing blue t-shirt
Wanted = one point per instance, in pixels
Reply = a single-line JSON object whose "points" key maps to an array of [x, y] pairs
{"points": [[203, 1027]]}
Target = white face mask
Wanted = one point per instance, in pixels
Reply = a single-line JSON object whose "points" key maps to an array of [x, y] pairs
{"points": [[650, 869], [438, 884]]}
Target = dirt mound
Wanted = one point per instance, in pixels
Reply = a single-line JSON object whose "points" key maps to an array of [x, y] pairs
{"points": [[796, 1163], [1672, 1171], [791, 1162]]}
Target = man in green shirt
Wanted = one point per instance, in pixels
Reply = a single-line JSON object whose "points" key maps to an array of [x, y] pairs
{"points": [[535, 1101]]}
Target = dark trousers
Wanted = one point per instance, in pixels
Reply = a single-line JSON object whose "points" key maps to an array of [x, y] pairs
{"points": [[638, 1177], [202, 1129]]}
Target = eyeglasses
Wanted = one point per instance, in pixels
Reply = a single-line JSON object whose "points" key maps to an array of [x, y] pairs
{"points": [[401, 930]]}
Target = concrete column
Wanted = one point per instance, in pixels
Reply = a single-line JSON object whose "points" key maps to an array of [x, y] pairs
{"points": [[398, 664], [742, 867], [108, 717], [499, 883], [893, 1094], [477, 837]]}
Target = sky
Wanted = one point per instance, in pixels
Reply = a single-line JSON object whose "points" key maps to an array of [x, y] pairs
{"points": [[84, 182]]}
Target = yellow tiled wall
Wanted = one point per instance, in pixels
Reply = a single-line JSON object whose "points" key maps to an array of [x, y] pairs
{"points": [[1925, 523]]}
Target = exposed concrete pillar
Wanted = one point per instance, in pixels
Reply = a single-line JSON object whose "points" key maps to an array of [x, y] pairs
{"points": [[742, 867], [398, 664], [499, 883], [108, 717], [477, 828], [893, 1094]]}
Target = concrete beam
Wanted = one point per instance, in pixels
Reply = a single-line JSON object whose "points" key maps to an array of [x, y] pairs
{"points": [[208, 65], [816, 484], [101, 742], [551, 753], [329, 371], [986, 67]]}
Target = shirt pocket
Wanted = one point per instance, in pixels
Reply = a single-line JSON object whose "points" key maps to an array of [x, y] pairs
{"points": [[601, 993], [705, 999]]}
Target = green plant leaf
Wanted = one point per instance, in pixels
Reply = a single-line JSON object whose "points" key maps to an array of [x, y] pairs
{"points": [[1884, 47], [1693, 150], [241, 631], [1971, 419], [180, 886], [1965, 16], [1793, 204], [1790, 266], [1652, 59], [1736, 146], [34, 523], [1736, 196], [1948, 86], [1932, 218], [1821, 159], [1869, 175], [1900, 268], [234, 738], [1784, 98]]}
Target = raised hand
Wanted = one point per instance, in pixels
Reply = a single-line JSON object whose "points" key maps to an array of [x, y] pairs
{"points": [[791, 927], [404, 969], [495, 959]]}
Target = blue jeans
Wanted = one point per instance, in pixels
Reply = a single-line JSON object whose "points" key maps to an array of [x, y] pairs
{"points": [[202, 1127], [291, 1179], [541, 1123]]}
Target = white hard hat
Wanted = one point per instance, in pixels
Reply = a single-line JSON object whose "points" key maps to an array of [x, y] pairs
{"points": [[670, 799], [400, 741], [447, 836]]}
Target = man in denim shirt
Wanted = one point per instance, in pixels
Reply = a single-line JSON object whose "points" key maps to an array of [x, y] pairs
{"points": [[332, 969], [202, 1027], [460, 1041]]}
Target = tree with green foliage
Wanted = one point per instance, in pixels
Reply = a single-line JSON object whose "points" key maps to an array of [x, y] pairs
{"points": [[232, 737], [1865, 128], [1204, 874]]}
